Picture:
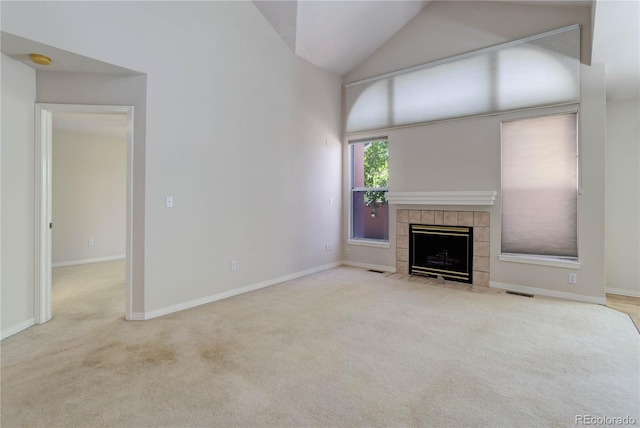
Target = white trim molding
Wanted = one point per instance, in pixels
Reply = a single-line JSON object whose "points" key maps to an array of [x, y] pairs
{"points": [[215, 297], [17, 328], [370, 266], [623, 292], [544, 261], [470, 197], [87, 261], [549, 293], [368, 243], [44, 216]]}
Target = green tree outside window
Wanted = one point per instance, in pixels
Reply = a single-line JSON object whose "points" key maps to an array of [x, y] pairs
{"points": [[376, 174]]}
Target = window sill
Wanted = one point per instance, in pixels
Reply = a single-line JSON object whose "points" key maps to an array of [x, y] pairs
{"points": [[368, 243], [544, 261]]}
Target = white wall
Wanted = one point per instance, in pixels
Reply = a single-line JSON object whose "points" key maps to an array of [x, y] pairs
{"points": [[17, 228], [246, 138], [623, 197], [465, 154], [89, 196]]}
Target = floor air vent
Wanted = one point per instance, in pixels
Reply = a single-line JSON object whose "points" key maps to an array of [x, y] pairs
{"points": [[375, 271], [516, 293]]}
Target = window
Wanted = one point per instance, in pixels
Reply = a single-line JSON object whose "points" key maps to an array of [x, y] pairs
{"points": [[540, 186], [537, 71], [369, 186]]}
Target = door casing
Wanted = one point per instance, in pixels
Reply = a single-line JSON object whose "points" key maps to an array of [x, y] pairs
{"points": [[43, 203]]}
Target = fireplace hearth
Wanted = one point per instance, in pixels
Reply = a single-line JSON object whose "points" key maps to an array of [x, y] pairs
{"points": [[445, 251]]}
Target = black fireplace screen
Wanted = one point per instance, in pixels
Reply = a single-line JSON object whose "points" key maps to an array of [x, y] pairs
{"points": [[441, 250]]}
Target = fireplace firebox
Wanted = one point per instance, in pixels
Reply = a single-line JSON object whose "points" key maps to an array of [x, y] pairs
{"points": [[441, 250]]}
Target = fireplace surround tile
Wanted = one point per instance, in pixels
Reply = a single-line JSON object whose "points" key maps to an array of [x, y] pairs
{"points": [[481, 218], [479, 278], [480, 263], [481, 249], [481, 233], [402, 267], [450, 218], [480, 221], [402, 241], [428, 217], [465, 218], [402, 228]]}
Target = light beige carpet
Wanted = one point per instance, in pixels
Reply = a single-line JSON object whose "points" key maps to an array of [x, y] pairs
{"points": [[344, 347]]}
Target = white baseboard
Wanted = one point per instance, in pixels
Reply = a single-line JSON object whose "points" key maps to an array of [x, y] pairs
{"points": [[208, 299], [548, 293], [369, 266], [137, 316], [623, 292], [87, 261], [17, 328]]}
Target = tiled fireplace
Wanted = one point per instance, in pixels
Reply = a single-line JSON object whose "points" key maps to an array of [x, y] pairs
{"points": [[479, 220]]}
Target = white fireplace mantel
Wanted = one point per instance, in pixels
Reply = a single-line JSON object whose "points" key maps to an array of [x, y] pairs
{"points": [[471, 197]]}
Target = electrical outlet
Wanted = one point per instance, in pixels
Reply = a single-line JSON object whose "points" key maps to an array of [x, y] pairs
{"points": [[169, 202], [573, 278], [90, 243], [233, 265], [346, 252], [327, 247]]}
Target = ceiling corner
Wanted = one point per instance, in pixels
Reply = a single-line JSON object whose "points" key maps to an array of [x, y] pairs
{"points": [[282, 15]]}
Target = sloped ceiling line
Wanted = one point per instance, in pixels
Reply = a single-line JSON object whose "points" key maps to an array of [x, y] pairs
{"points": [[337, 35]]}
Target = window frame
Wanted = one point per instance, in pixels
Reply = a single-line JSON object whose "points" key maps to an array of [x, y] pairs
{"points": [[367, 242]]}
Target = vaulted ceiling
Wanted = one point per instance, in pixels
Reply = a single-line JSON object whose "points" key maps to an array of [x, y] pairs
{"points": [[338, 35]]}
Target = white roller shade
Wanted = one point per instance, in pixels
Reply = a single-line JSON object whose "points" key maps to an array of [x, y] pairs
{"points": [[538, 71]]}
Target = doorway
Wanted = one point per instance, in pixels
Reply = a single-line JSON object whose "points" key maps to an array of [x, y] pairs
{"points": [[44, 199]]}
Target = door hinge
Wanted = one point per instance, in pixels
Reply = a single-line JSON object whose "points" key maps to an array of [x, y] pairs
{"points": [[51, 225]]}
